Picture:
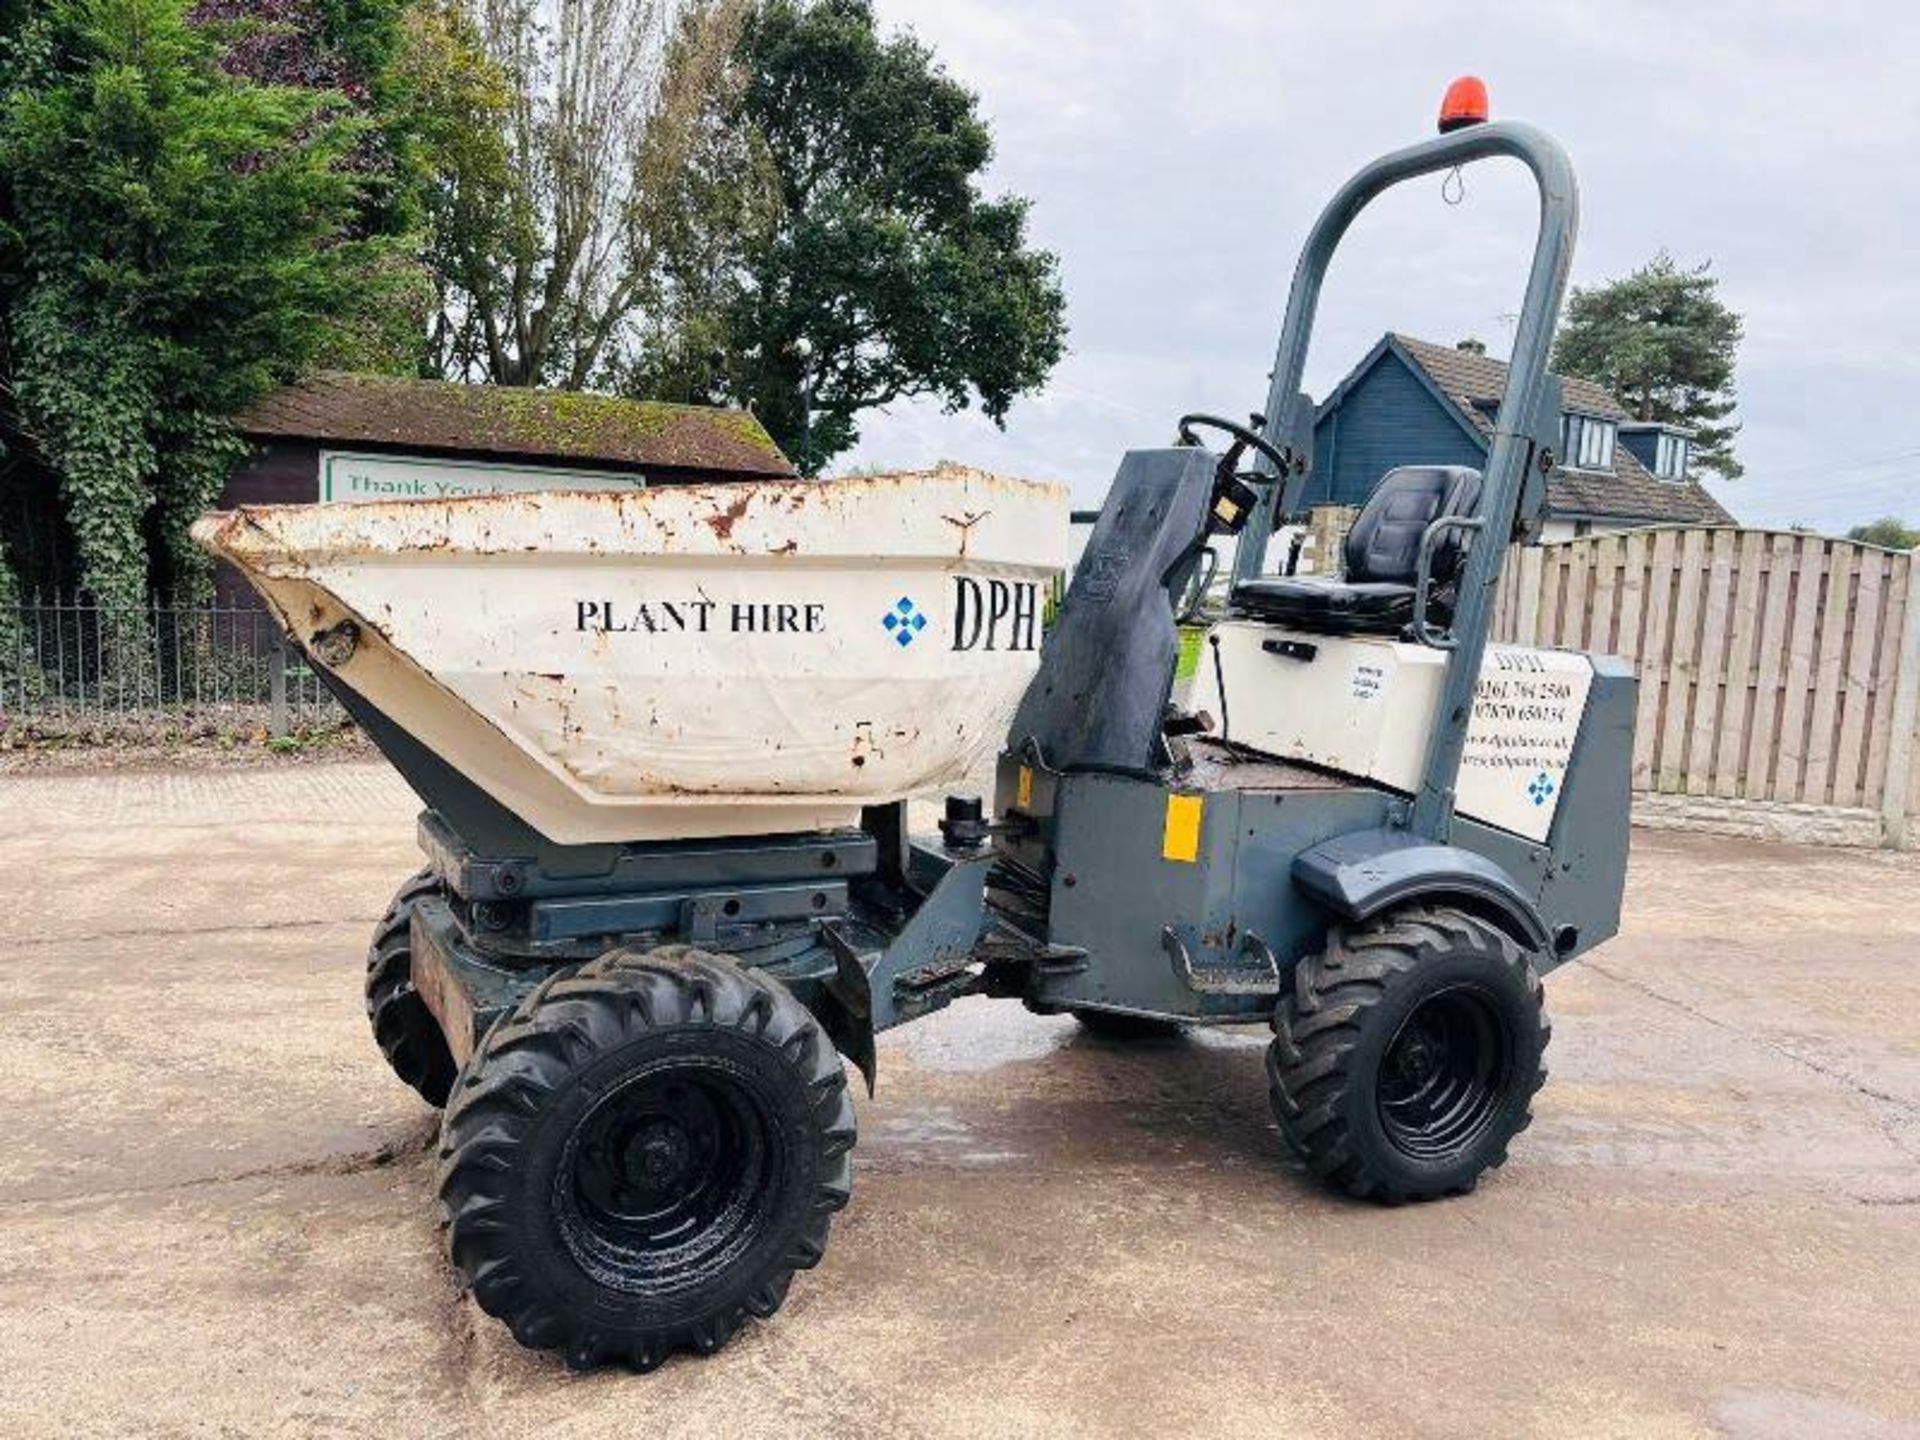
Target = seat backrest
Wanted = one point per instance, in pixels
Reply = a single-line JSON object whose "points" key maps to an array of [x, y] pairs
{"points": [[1384, 544], [1107, 667]]}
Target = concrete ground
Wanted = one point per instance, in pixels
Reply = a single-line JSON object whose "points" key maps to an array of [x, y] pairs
{"points": [[215, 1209]]}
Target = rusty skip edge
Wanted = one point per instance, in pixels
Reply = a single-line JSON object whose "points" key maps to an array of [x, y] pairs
{"points": [[601, 522]]}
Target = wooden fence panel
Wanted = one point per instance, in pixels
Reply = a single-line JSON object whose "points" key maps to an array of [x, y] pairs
{"points": [[1603, 612], [1633, 594], [1770, 663], [1836, 602], [1527, 603], [1575, 596], [1683, 648], [1769, 686], [1736, 701], [1856, 693], [1887, 674], [1652, 659], [1809, 579], [1709, 669]]}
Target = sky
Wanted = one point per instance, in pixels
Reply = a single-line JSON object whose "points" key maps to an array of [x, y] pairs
{"points": [[1176, 154]]}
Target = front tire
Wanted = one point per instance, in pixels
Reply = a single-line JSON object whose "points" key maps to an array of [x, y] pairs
{"points": [[641, 1155], [1407, 1054]]}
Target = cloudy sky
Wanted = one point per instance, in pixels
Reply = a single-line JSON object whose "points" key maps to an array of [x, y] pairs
{"points": [[1177, 152]]}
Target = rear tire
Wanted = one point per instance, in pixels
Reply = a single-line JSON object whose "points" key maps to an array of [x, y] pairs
{"points": [[1118, 1026], [642, 1154], [1407, 1054], [403, 1027]]}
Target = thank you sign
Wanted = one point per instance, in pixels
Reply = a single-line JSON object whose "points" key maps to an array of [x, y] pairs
{"points": [[350, 477]]}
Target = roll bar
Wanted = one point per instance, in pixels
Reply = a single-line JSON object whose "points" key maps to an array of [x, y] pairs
{"points": [[1512, 447]]}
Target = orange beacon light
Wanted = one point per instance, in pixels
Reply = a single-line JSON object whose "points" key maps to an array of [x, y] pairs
{"points": [[1465, 104]]}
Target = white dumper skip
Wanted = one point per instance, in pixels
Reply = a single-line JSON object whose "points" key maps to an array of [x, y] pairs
{"points": [[678, 662]]}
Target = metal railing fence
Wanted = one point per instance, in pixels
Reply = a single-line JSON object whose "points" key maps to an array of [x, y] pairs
{"points": [[74, 659]]}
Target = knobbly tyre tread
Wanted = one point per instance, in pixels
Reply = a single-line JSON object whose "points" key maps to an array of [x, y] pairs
{"points": [[403, 1027], [533, 1052], [1317, 1028]]}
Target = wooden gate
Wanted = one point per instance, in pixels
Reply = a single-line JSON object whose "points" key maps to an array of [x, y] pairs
{"points": [[1774, 666]]}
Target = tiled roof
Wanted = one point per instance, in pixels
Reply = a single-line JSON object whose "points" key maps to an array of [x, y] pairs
{"points": [[557, 425], [1629, 492]]}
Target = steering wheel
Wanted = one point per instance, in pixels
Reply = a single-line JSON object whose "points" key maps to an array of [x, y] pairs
{"points": [[1243, 438]]}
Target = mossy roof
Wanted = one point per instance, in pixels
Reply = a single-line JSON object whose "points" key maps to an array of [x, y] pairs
{"points": [[554, 425]]}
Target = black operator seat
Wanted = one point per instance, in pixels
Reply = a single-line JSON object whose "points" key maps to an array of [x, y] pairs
{"points": [[1382, 556]]}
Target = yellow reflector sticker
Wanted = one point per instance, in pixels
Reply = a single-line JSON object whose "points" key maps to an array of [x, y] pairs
{"points": [[1181, 840], [1025, 796]]}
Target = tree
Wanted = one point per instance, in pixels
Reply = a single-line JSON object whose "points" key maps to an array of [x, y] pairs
{"points": [[542, 248], [866, 267], [374, 61], [1664, 342], [711, 202], [1888, 531], [176, 237]]}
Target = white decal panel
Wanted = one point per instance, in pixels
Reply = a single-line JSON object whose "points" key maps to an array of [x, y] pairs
{"points": [[1526, 717], [1364, 705]]}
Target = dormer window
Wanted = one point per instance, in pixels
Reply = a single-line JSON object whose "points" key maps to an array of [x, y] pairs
{"points": [[1665, 449], [1586, 442], [1670, 456]]}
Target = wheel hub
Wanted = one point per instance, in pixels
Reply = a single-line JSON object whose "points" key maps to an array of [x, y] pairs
{"points": [[664, 1175], [1445, 1075], [1414, 1059], [659, 1155]]}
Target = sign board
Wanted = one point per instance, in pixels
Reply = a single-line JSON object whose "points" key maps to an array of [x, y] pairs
{"points": [[1365, 705], [1527, 709], [350, 477]]}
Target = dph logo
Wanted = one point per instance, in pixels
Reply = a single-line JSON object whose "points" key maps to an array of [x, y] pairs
{"points": [[995, 614]]}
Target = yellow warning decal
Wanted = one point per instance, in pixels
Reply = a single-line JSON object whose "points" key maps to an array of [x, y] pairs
{"points": [[1181, 839], [1024, 797]]}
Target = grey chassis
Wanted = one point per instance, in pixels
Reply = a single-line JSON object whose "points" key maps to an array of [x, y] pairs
{"points": [[1136, 869]]}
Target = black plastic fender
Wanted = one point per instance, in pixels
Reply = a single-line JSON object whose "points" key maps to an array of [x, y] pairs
{"points": [[1359, 875]]}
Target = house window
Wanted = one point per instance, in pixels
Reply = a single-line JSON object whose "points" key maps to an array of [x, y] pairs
{"points": [[1586, 442], [1670, 456]]}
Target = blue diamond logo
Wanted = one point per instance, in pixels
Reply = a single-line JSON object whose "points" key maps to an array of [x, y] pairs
{"points": [[905, 621], [1541, 789]]}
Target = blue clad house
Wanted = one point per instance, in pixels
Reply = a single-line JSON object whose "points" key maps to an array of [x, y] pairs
{"points": [[1414, 403]]}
